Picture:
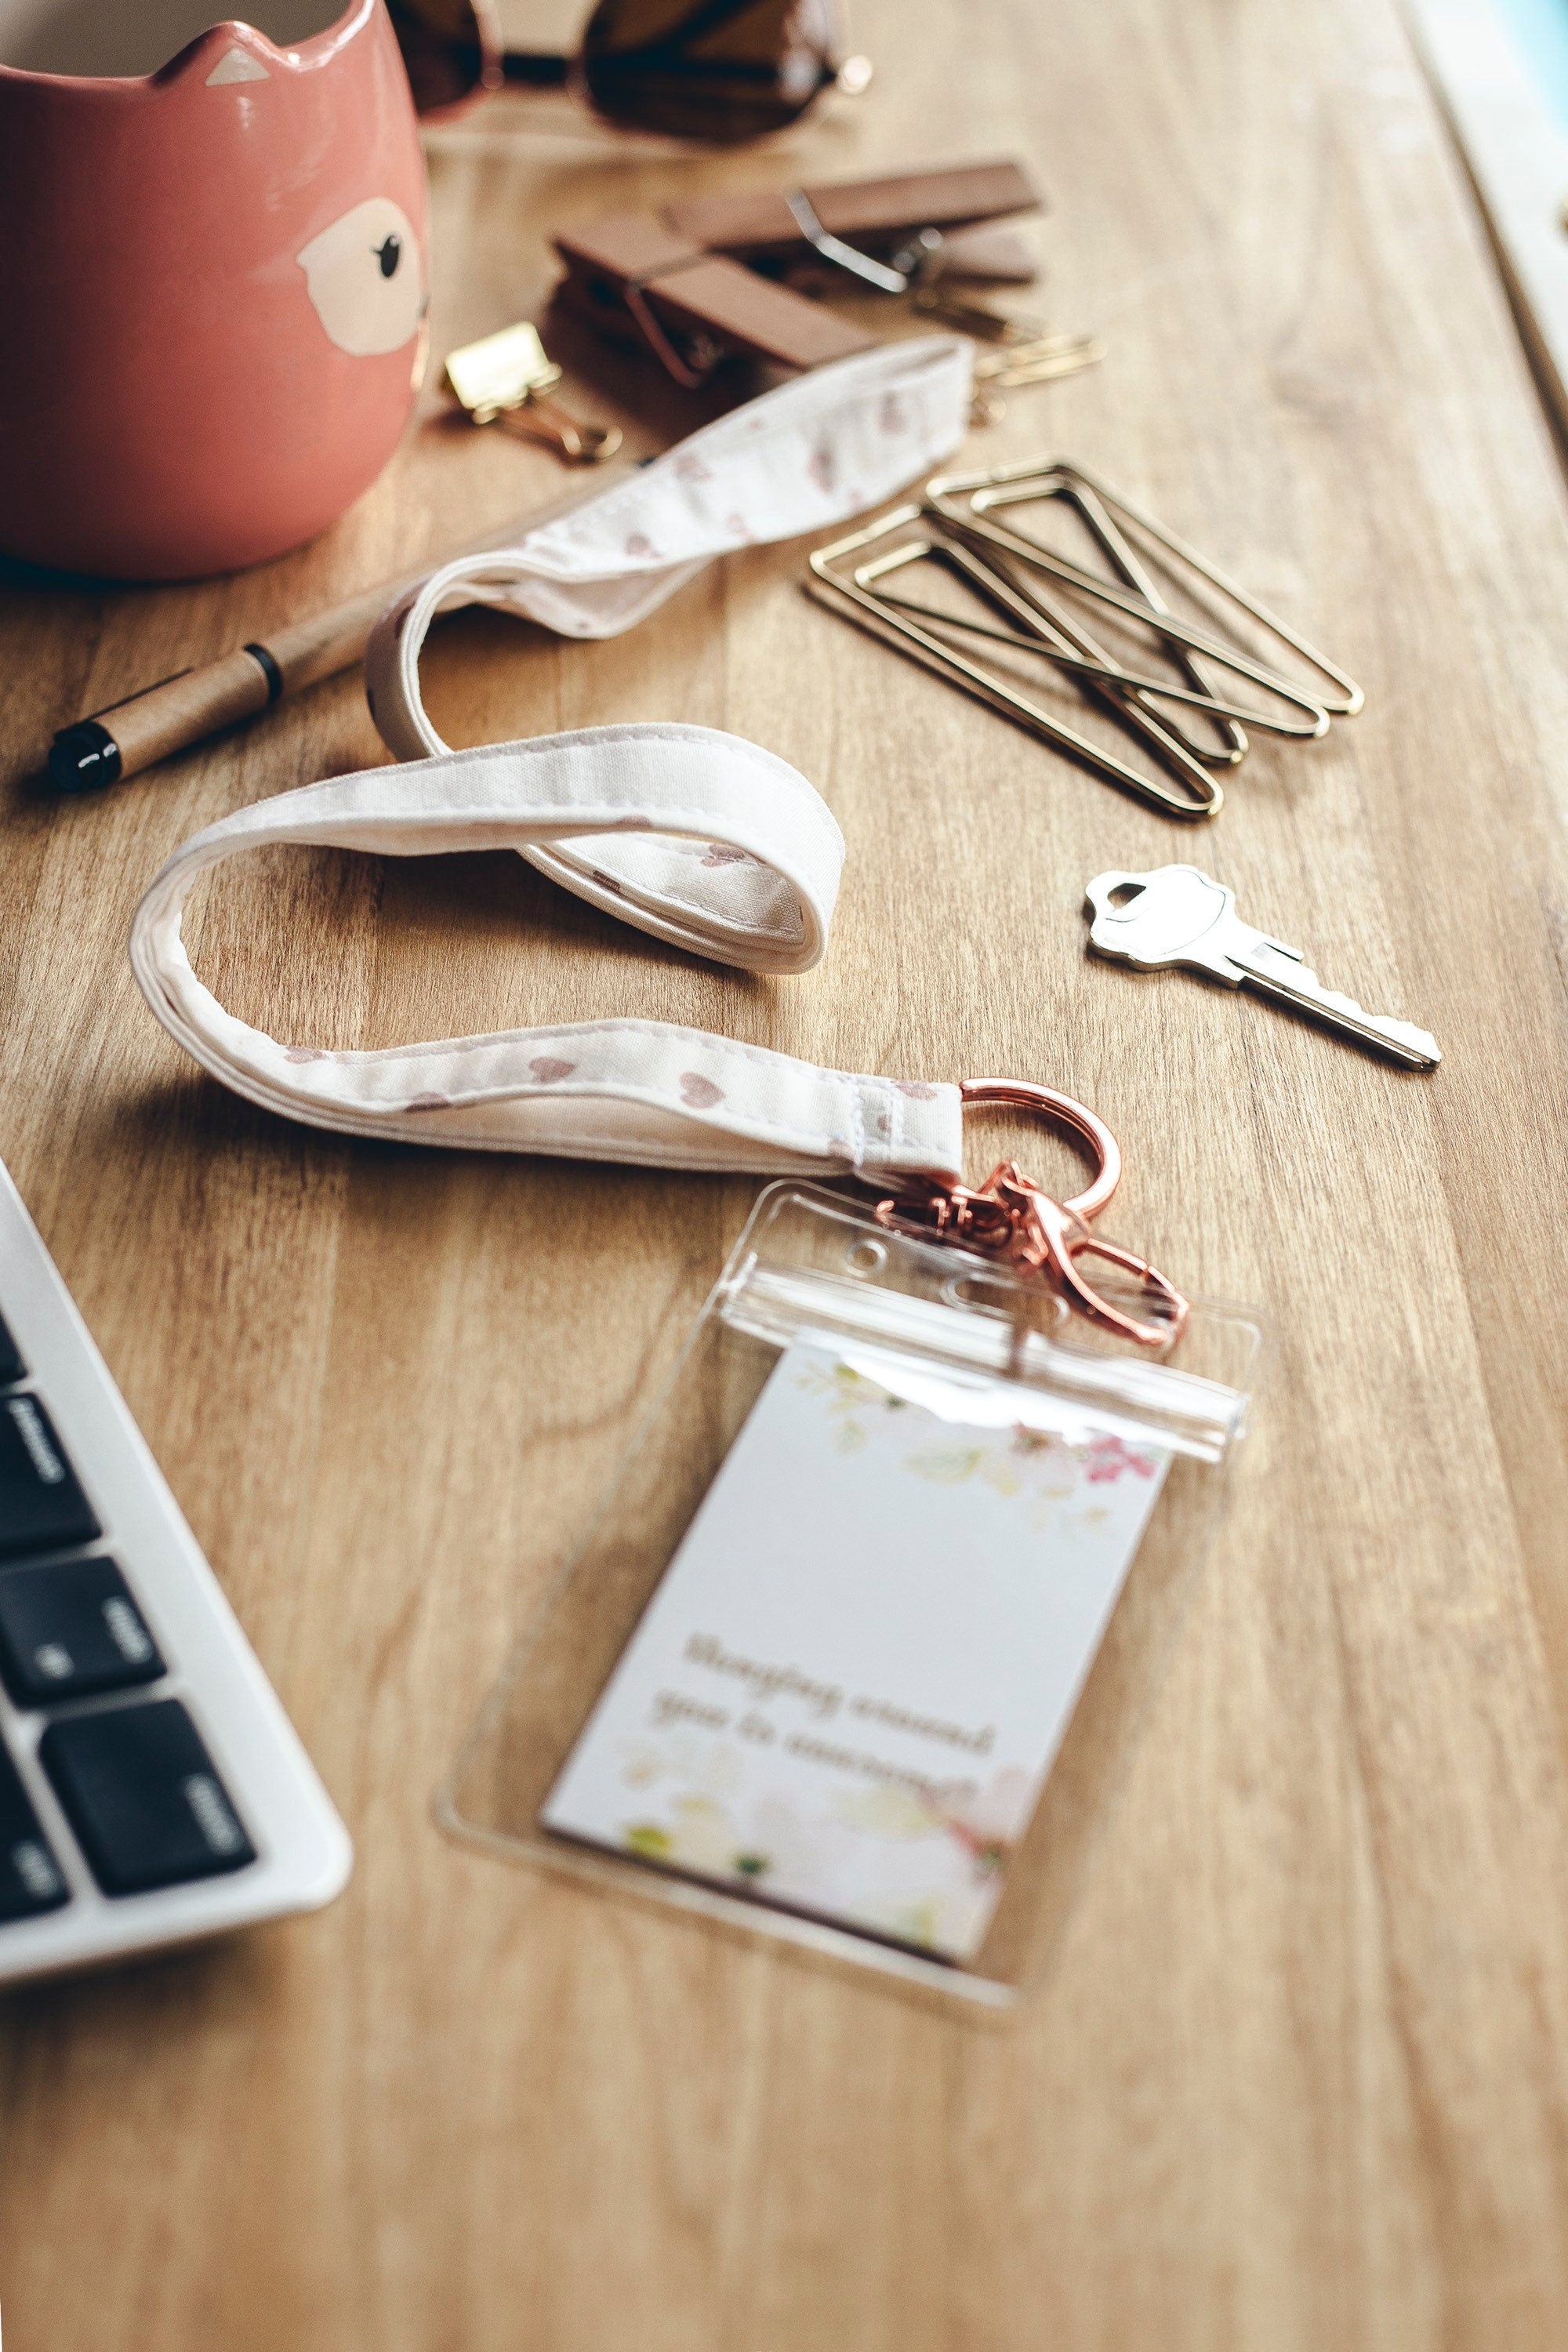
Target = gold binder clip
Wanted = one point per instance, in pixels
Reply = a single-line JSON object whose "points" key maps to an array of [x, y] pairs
{"points": [[507, 379]]}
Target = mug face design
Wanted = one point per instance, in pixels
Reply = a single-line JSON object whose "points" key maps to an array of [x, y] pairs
{"points": [[214, 283], [365, 277]]}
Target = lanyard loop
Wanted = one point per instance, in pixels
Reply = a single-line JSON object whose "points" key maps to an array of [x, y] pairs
{"points": [[716, 846], [698, 837]]}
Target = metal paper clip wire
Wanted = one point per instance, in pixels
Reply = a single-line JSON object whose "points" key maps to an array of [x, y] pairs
{"points": [[967, 502], [1032, 356], [1050, 630], [1204, 797], [804, 214], [1003, 566], [1230, 744], [1040, 623], [1122, 559]]}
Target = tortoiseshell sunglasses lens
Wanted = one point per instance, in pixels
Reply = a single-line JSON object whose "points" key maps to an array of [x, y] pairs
{"points": [[451, 48], [721, 71]]}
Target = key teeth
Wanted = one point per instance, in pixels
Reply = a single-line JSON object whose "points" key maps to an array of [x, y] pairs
{"points": [[1402, 1032], [1405, 1033]]}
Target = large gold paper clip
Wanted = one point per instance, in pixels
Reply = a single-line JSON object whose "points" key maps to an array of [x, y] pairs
{"points": [[1001, 587], [989, 511], [925, 632], [507, 378]]}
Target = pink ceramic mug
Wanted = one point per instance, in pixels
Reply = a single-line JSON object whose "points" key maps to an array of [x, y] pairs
{"points": [[213, 279]]}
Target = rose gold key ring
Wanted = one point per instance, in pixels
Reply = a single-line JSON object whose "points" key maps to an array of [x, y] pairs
{"points": [[1010, 1217]]}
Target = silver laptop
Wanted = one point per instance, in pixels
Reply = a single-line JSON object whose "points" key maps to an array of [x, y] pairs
{"points": [[151, 1788]]}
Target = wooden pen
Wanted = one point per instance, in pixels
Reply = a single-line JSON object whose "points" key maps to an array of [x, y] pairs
{"points": [[180, 712]]}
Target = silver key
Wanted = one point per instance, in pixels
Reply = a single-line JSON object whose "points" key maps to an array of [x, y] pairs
{"points": [[1177, 914]]}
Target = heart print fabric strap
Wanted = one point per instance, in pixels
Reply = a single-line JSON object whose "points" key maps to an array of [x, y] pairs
{"points": [[697, 836], [818, 450]]}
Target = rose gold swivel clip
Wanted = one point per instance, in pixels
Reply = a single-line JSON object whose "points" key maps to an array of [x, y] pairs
{"points": [[1010, 1217]]}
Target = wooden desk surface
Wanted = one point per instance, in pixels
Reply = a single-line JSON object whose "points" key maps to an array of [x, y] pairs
{"points": [[1298, 2075]]}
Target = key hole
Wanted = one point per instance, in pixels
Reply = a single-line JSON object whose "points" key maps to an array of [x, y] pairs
{"points": [[1125, 892]]}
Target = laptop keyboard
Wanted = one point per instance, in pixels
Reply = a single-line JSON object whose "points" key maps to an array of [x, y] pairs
{"points": [[70, 1628], [137, 1785], [41, 1504], [121, 1825], [30, 1878]]}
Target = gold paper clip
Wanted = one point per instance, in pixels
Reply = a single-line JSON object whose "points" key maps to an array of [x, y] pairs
{"points": [[912, 628], [1047, 628], [507, 379], [1043, 359], [1040, 360], [1233, 746], [1137, 598], [976, 320], [974, 504]]}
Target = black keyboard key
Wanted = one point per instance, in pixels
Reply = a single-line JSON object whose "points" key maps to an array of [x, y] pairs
{"points": [[31, 1880], [71, 1628], [12, 1368], [42, 1509], [139, 1791]]}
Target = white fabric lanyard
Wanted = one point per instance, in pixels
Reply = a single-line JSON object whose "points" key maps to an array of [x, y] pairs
{"points": [[824, 446], [697, 836]]}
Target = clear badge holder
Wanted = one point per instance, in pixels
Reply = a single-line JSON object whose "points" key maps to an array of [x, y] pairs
{"points": [[865, 1628]]}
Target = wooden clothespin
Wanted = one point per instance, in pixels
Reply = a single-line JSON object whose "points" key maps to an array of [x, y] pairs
{"points": [[874, 214], [636, 278], [679, 280]]}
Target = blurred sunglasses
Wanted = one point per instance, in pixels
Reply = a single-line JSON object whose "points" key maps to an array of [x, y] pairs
{"points": [[721, 71]]}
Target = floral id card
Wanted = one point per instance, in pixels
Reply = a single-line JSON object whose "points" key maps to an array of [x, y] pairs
{"points": [[849, 1687]]}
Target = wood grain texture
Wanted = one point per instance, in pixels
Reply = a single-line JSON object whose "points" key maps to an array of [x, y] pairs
{"points": [[1298, 2074]]}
